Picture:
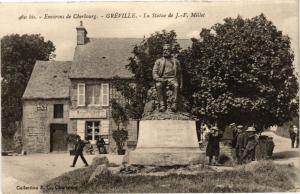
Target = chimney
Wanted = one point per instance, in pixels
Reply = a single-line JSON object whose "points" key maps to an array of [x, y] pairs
{"points": [[81, 34]]}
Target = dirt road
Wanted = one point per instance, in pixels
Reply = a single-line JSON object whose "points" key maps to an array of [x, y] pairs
{"points": [[283, 153], [35, 169]]}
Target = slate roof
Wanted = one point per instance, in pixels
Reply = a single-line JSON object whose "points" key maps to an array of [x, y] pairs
{"points": [[49, 79], [106, 57]]}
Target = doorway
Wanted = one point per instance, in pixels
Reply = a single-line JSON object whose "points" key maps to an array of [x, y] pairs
{"points": [[58, 133]]}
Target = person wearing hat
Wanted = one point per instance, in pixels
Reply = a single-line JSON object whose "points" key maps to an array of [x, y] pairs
{"points": [[249, 152], [240, 143], [297, 136], [79, 151], [294, 135], [270, 147], [213, 146], [101, 145]]}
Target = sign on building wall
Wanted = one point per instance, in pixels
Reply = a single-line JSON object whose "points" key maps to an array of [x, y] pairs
{"points": [[41, 107], [87, 114]]}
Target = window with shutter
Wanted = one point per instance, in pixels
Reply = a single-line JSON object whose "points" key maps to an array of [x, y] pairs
{"points": [[81, 94], [93, 95], [104, 127], [105, 94], [81, 128]]}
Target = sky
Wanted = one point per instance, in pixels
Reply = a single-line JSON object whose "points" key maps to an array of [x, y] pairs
{"points": [[62, 32]]}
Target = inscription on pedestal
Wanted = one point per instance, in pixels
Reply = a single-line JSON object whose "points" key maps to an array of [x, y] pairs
{"points": [[167, 133]]}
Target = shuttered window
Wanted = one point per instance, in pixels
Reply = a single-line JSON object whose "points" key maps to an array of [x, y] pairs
{"points": [[81, 94], [93, 95], [81, 128], [104, 127], [105, 94]]}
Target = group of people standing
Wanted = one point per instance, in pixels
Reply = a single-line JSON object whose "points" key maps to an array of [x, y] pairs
{"points": [[245, 144], [242, 141]]}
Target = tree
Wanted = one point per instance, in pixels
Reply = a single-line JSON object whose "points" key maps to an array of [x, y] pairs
{"points": [[18, 56], [120, 137], [118, 114], [241, 71], [120, 117], [141, 66]]}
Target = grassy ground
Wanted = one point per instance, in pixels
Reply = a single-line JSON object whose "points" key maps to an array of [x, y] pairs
{"points": [[259, 177]]}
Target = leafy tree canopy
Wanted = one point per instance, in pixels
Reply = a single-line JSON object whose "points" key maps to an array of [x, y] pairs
{"points": [[241, 71], [18, 56]]}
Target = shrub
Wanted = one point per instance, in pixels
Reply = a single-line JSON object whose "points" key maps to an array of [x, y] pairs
{"points": [[120, 136]]}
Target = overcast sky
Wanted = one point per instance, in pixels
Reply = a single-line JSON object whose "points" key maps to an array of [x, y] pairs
{"points": [[283, 13]]}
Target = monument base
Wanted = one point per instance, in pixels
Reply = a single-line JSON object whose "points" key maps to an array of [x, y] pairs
{"points": [[167, 143], [166, 157]]}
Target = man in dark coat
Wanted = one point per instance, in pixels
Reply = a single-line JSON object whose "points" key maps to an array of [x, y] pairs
{"points": [[240, 143], [249, 152], [213, 146], [270, 147], [294, 135], [297, 137], [79, 151], [101, 146]]}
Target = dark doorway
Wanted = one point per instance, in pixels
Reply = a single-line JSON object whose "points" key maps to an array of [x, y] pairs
{"points": [[58, 133]]}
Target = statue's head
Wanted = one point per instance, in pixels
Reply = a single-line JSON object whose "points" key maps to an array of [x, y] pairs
{"points": [[167, 50]]}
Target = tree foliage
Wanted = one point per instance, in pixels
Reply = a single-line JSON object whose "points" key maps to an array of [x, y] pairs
{"points": [[118, 114], [141, 66], [120, 137], [18, 56], [241, 71]]}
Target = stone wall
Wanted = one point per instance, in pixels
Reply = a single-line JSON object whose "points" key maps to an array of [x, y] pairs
{"points": [[37, 117]]}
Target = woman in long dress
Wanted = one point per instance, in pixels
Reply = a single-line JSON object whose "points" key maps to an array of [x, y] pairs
{"points": [[213, 146]]}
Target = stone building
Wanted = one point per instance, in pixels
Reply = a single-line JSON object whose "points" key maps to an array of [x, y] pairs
{"points": [[64, 97]]}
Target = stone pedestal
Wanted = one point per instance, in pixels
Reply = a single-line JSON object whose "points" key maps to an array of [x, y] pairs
{"points": [[166, 143]]}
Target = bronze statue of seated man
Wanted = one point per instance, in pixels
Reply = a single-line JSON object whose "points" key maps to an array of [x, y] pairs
{"points": [[167, 72]]}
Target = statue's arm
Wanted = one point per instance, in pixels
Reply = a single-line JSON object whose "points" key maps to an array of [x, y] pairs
{"points": [[179, 70], [155, 70]]}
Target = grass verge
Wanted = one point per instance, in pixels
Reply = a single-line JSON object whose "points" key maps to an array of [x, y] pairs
{"points": [[259, 177]]}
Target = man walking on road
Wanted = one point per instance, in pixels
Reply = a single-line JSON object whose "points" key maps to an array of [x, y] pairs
{"points": [[79, 151], [294, 135]]}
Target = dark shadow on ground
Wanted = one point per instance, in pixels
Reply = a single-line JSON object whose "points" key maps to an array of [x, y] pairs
{"points": [[286, 154]]}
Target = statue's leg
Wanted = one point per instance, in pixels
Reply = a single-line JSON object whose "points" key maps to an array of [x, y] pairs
{"points": [[175, 93], [160, 95]]}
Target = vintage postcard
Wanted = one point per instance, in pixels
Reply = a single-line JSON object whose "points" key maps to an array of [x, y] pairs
{"points": [[150, 97]]}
